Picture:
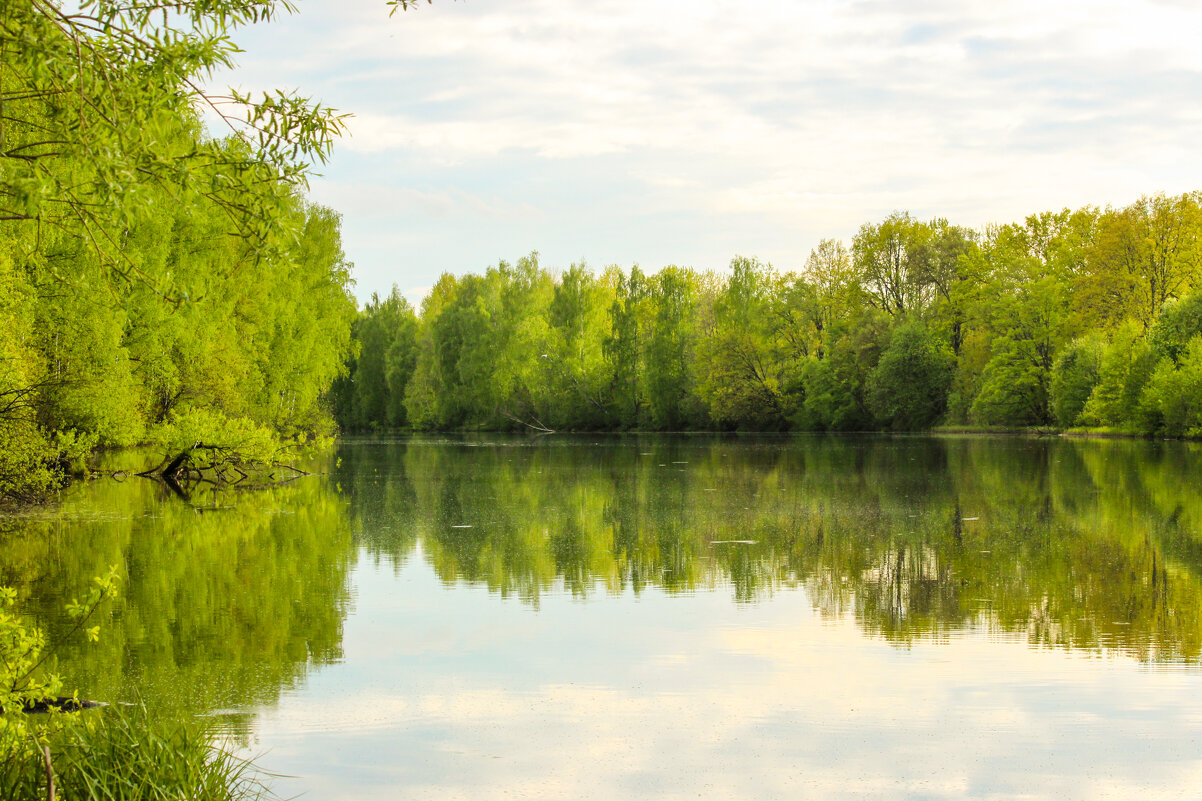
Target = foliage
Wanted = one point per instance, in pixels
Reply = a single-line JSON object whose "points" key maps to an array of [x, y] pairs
{"points": [[741, 380], [1172, 399], [23, 680], [372, 393], [100, 107], [150, 270], [623, 348], [186, 428], [1148, 253], [908, 388], [1075, 373], [1178, 323], [670, 350], [1126, 365], [1024, 324], [1014, 388]]}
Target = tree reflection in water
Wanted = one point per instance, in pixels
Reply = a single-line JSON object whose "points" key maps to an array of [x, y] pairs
{"points": [[1087, 544], [227, 602]]}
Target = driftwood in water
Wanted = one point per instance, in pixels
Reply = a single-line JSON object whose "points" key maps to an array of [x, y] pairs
{"points": [[219, 467], [62, 703], [57, 703]]}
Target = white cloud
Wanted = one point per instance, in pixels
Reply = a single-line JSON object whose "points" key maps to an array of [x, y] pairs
{"points": [[816, 116], [467, 706]]}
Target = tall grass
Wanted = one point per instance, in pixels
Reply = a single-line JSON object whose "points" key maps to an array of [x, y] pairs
{"points": [[128, 755]]}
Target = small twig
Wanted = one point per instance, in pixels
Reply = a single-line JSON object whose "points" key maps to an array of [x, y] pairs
{"points": [[49, 773]]}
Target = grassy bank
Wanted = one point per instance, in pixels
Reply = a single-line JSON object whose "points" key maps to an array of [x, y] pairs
{"points": [[124, 753]]}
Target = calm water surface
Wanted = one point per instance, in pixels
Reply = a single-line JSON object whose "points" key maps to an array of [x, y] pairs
{"points": [[663, 618]]}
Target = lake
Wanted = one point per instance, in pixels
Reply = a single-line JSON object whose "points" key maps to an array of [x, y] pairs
{"points": [[660, 617]]}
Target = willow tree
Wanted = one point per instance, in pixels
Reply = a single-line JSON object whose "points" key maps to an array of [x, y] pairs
{"points": [[150, 261], [94, 103]]}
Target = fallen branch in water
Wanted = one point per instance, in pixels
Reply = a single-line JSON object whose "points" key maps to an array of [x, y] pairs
{"points": [[218, 466]]}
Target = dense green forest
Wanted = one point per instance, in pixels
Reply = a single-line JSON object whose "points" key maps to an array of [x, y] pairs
{"points": [[158, 284], [1086, 318], [162, 284]]}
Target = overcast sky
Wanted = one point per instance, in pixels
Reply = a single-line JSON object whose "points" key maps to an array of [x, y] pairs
{"points": [[688, 131]]}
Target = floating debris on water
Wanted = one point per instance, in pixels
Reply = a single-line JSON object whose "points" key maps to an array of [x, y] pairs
{"points": [[734, 542], [461, 526], [967, 519]]}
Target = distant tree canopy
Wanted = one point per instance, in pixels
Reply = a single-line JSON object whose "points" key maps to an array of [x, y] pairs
{"points": [[1073, 318], [160, 284]]}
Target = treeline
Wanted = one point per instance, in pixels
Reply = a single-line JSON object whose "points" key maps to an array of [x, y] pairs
{"points": [[157, 284], [1073, 318]]}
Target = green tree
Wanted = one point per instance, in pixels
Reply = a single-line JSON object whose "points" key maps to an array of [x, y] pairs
{"points": [[1014, 385], [669, 355], [625, 346], [373, 394], [908, 389], [577, 373], [889, 259], [1127, 364], [1178, 323], [1172, 399], [740, 377], [835, 389], [1075, 373], [100, 117], [1148, 253]]}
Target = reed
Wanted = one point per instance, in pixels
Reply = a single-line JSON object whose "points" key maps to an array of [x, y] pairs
{"points": [[127, 754]]}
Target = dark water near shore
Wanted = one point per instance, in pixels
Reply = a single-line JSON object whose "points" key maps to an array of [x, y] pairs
{"points": [[654, 617]]}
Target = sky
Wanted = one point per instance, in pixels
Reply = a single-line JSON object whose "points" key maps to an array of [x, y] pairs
{"points": [[688, 132]]}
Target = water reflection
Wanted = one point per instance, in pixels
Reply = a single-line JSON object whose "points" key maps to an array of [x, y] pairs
{"points": [[224, 602], [1085, 544], [231, 599]]}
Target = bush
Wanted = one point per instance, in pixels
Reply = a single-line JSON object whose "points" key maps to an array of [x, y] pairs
{"points": [[120, 754]]}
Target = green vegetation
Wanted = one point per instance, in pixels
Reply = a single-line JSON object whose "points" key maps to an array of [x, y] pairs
{"points": [[129, 755], [1076, 318], [50, 748], [157, 283], [207, 618]]}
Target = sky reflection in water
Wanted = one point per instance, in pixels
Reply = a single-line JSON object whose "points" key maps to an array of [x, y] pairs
{"points": [[455, 693], [508, 618]]}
